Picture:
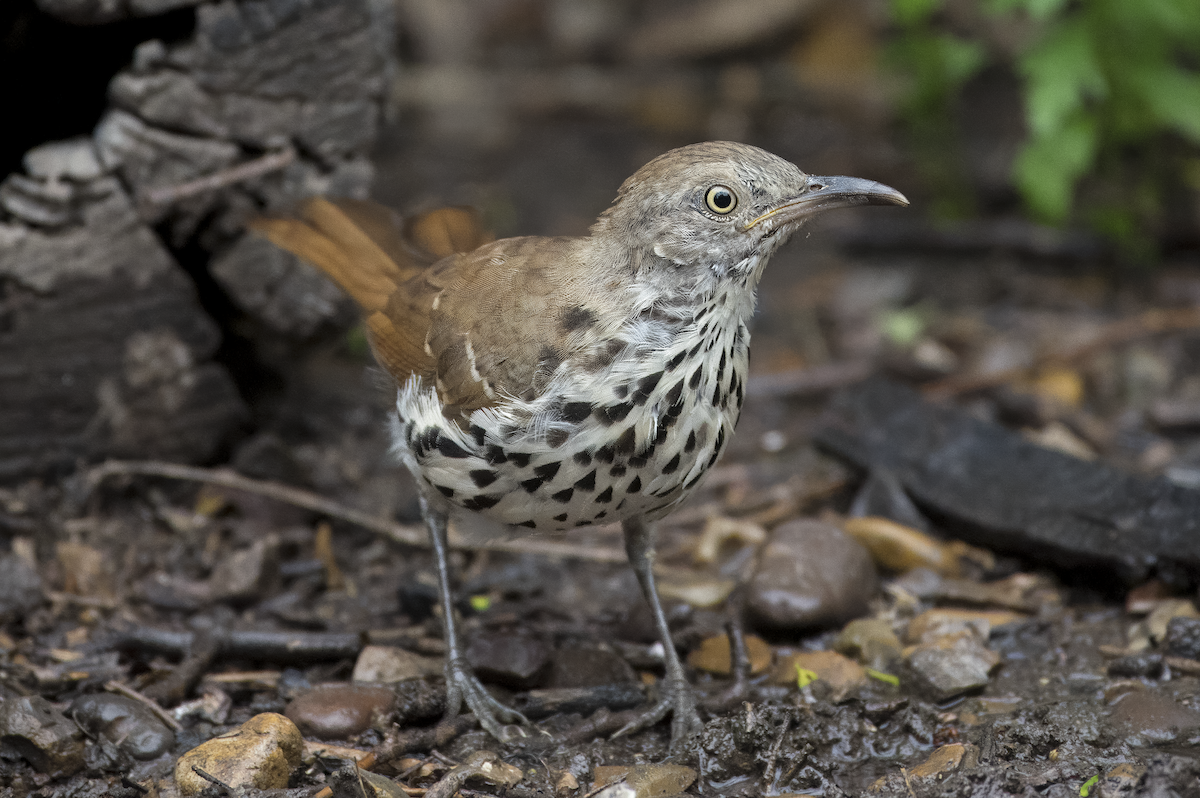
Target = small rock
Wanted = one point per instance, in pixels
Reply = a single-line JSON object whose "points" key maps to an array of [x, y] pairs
{"points": [[338, 711], [1183, 637], [1149, 719], [871, 641], [932, 624], [811, 574], [713, 655], [1149, 666], [951, 666], [20, 588], [839, 675], [388, 665], [1121, 780], [641, 781], [946, 759], [512, 660], [41, 734], [129, 724], [244, 575], [261, 753], [588, 667]]}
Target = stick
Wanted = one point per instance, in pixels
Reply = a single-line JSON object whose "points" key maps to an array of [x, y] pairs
{"points": [[272, 161]]}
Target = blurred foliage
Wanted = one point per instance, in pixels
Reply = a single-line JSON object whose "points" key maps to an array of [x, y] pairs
{"points": [[1106, 86]]}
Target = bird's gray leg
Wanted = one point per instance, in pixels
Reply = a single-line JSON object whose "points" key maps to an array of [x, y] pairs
{"points": [[461, 683], [677, 697]]}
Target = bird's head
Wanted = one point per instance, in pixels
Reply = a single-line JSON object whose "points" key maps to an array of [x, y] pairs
{"points": [[725, 206]]}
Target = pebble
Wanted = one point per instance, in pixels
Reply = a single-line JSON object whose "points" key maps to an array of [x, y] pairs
{"points": [[1183, 637], [261, 753], [871, 641], [641, 781], [20, 588], [837, 674], [1143, 665], [588, 667], [950, 666], [713, 655], [129, 724], [1151, 719], [338, 711], [932, 624], [247, 574], [811, 574], [389, 665], [33, 728], [946, 759], [516, 661]]}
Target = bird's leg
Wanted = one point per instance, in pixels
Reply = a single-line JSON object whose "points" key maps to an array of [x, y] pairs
{"points": [[677, 697], [461, 683]]}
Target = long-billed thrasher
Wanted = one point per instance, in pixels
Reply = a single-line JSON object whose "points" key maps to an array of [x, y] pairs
{"points": [[550, 383]]}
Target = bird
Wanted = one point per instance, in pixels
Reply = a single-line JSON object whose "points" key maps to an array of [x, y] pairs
{"points": [[550, 383]]}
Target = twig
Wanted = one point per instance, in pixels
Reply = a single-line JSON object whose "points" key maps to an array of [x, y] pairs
{"points": [[211, 779], [408, 535], [1152, 322], [154, 706], [272, 161]]}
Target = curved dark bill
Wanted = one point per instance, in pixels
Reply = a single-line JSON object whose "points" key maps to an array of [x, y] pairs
{"points": [[826, 193]]}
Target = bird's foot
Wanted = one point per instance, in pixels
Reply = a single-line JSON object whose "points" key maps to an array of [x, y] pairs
{"points": [[680, 702], [462, 686]]}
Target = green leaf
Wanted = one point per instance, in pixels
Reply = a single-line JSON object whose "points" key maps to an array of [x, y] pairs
{"points": [[1049, 165], [805, 677], [911, 13], [1173, 95], [1060, 72], [1087, 786], [887, 678]]}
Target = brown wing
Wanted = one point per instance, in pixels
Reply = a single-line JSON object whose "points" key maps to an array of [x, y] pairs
{"points": [[368, 250]]}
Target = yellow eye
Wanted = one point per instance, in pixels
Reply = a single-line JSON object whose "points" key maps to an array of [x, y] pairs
{"points": [[720, 199]]}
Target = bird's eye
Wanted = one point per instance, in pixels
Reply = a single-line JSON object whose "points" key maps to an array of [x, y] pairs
{"points": [[720, 199]]}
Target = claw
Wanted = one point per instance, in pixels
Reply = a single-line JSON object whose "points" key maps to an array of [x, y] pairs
{"points": [[680, 703], [463, 686]]}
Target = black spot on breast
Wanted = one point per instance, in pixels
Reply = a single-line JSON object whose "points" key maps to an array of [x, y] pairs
{"points": [[691, 442], [671, 465], [574, 412], [646, 386], [576, 318], [482, 502], [530, 485], [675, 361], [627, 442], [695, 380], [563, 496], [449, 448], [604, 496], [584, 458], [531, 524], [621, 391], [600, 515], [639, 461], [693, 480], [611, 415], [588, 482], [560, 517], [635, 486], [479, 433], [445, 491], [618, 470], [548, 471], [606, 453], [663, 431], [716, 397], [692, 352], [519, 459], [739, 393], [721, 367], [495, 455], [557, 437], [674, 395], [483, 477]]}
